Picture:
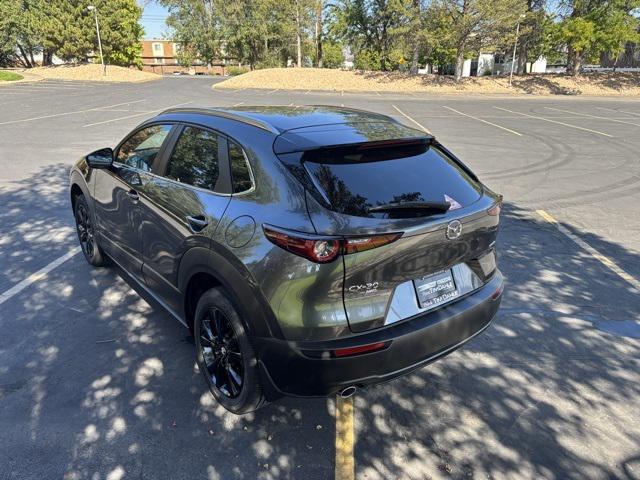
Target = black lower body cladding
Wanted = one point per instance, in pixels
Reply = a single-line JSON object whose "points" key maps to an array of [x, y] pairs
{"points": [[291, 370]]}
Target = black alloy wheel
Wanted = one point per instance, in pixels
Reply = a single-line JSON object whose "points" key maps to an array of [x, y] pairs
{"points": [[224, 353], [221, 353], [87, 233], [84, 227]]}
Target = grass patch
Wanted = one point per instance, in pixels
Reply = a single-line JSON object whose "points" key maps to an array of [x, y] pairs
{"points": [[9, 76]]}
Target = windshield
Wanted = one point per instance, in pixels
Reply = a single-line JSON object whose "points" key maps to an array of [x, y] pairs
{"points": [[356, 182]]}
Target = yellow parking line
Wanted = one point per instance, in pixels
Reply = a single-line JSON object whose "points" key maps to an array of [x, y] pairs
{"points": [[345, 462], [483, 121], [424, 129], [554, 121], [606, 261]]}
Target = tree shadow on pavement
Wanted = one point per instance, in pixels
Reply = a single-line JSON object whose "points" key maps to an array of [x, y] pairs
{"points": [[546, 392], [96, 383]]}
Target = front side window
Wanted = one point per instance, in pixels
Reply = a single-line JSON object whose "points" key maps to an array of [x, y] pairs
{"points": [[141, 149], [194, 160], [240, 172]]}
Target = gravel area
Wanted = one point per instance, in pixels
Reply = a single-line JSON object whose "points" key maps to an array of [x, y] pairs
{"points": [[621, 84], [93, 72]]}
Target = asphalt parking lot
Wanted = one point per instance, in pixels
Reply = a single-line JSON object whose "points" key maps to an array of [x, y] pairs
{"points": [[96, 383]]}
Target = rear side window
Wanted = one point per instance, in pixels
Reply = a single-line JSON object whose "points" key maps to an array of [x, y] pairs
{"points": [[194, 160], [354, 181], [240, 170], [141, 149]]}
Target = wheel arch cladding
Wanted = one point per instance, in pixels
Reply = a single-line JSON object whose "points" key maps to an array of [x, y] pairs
{"points": [[76, 191], [202, 268], [78, 185]]}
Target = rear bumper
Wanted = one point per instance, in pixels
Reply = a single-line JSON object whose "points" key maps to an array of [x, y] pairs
{"points": [[288, 369]]}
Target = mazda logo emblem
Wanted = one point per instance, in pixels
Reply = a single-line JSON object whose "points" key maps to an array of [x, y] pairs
{"points": [[454, 229]]}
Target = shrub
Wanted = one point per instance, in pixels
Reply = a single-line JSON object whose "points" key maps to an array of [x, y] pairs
{"points": [[332, 56], [233, 71]]}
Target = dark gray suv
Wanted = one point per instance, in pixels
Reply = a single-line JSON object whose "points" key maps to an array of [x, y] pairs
{"points": [[310, 250]]}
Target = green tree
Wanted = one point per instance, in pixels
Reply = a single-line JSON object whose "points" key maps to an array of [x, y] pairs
{"points": [[476, 24], [590, 27], [332, 56], [373, 28], [195, 27], [120, 31], [66, 29], [615, 31]]}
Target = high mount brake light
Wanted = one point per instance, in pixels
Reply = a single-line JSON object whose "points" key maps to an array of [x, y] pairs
{"points": [[321, 249]]}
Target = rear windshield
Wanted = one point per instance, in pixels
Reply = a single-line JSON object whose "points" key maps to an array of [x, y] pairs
{"points": [[352, 182]]}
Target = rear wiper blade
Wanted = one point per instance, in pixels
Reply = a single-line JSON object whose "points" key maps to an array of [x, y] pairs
{"points": [[404, 206]]}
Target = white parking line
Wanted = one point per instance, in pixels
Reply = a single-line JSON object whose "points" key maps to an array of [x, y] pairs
{"points": [[483, 121], [592, 116], [68, 113], [39, 275], [618, 111], [554, 121], [606, 261], [136, 115], [237, 104], [272, 91], [424, 129]]}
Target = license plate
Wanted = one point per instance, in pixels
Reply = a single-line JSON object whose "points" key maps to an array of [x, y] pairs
{"points": [[436, 289]]}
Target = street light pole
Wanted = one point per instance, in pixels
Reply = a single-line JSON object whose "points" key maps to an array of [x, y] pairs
{"points": [[95, 14], [515, 45]]}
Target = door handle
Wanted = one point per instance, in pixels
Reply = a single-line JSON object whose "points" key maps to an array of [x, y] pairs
{"points": [[133, 195], [197, 222]]}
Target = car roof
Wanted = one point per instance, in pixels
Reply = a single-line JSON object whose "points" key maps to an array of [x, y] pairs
{"points": [[279, 119]]}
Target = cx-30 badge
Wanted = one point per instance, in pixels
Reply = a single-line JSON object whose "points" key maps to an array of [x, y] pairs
{"points": [[454, 229]]}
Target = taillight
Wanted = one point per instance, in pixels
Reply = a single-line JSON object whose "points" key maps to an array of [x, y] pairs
{"points": [[496, 209], [323, 249]]}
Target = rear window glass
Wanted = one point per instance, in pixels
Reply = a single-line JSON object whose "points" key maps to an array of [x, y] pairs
{"points": [[352, 183]]}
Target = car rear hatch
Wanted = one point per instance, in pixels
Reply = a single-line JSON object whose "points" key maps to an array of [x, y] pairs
{"points": [[366, 180]]}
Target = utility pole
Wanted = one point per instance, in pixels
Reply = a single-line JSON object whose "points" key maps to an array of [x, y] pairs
{"points": [[515, 45], [95, 14]]}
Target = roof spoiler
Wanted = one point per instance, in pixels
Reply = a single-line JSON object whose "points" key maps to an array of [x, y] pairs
{"points": [[353, 135]]}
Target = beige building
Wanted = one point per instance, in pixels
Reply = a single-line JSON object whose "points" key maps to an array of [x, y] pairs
{"points": [[159, 56]]}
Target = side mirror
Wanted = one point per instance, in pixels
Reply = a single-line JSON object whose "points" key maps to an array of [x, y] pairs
{"points": [[102, 158]]}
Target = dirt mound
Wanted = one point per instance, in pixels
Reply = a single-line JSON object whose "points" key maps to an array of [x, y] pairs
{"points": [[627, 84], [93, 72]]}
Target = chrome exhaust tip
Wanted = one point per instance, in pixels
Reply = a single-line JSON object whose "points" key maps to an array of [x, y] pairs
{"points": [[347, 391]]}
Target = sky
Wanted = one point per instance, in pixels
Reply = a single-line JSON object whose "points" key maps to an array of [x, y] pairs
{"points": [[153, 19]]}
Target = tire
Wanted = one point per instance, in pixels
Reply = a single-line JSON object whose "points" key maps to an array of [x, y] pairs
{"points": [[224, 354], [86, 233]]}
